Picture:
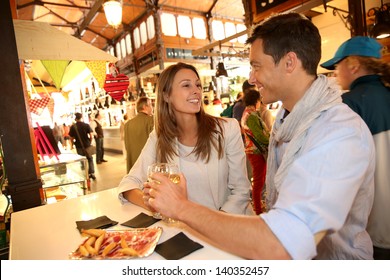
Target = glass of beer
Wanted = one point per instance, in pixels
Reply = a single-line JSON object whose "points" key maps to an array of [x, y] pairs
{"points": [[170, 170]]}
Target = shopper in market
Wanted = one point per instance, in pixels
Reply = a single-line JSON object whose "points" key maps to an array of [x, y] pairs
{"points": [[81, 134], [58, 133], [256, 134], [137, 130], [360, 70], [98, 135], [208, 149], [321, 161], [239, 106]]}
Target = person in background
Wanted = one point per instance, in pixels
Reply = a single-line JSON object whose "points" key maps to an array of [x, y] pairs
{"points": [[321, 161], [215, 108], [228, 110], [256, 145], [58, 133], [122, 134], [137, 130], [239, 106], [359, 70], [97, 128], [208, 149], [86, 135], [67, 142]]}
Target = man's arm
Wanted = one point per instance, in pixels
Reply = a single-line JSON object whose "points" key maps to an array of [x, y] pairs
{"points": [[246, 236]]}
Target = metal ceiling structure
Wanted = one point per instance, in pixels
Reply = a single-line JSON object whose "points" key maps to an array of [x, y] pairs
{"points": [[86, 20]]}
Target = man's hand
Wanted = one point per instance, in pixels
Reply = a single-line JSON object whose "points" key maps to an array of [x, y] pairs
{"points": [[164, 196]]}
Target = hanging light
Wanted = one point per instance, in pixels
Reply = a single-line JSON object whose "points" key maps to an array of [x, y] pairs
{"points": [[113, 12], [221, 71], [381, 28]]}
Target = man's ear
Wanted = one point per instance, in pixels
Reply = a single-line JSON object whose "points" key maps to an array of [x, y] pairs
{"points": [[290, 61]]}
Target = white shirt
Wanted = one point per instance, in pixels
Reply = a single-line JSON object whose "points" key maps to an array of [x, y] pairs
{"points": [[330, 186], [198, 186]]}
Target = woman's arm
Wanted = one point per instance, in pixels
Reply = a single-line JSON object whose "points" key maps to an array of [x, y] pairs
{"points": [[131, 185], [238, 183]]}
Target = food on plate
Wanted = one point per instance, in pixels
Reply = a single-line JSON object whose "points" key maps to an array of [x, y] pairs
{"points": [[99, 242], [108, 248], [124, 242], [129, 251], [92, 232], [83, 251], [119, 244]]}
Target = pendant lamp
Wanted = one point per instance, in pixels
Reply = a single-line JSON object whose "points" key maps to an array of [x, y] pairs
{"points": [[381, 28], [113, 12], [221, 71]]}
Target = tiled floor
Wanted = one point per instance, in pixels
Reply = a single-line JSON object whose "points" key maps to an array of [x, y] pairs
{"points": [[109, 174]]}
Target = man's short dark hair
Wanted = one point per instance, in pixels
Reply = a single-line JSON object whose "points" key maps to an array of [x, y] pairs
{"points": [[247, 86], [251, 97], [290, 32], [78, 116]]}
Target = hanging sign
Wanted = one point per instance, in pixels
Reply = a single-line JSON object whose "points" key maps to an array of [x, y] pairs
{"points": [[116, 84]]}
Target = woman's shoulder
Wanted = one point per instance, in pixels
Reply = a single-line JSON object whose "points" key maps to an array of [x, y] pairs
{"points": [[228, 123]]}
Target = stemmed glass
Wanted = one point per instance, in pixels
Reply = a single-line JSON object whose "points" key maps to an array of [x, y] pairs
{"points": [[171, 170]]}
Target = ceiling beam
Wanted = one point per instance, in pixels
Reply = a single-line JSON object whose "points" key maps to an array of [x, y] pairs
{"points": [[91, 15], [202, 50], [43, 3]]}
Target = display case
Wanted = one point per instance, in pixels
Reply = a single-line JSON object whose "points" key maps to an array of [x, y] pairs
{"points": [[64, 178]]}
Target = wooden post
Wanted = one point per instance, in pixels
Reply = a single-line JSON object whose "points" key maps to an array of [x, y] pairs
{"points": [[16, 132]]}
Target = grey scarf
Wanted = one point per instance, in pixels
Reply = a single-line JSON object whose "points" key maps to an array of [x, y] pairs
{"points": [[321, 95]]}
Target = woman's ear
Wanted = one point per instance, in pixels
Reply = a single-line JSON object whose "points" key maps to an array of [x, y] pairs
{"points": [[166, 97], [353, 64]]}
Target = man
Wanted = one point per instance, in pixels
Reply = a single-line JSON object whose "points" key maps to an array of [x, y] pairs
{"points": [[97, 128], [360, 70], [82, 133], [137, 130], [320, 165]]}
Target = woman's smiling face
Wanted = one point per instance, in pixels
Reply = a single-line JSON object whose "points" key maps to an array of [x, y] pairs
{"points": [[186, 95]]}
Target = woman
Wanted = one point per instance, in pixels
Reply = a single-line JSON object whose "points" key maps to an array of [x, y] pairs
{"points": [[208, 150], [256, 143]]}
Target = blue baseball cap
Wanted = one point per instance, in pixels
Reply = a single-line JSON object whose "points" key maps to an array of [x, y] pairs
{"points": [[359, 45]]}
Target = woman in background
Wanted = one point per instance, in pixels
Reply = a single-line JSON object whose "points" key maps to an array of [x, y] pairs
{"points": [[256, 143]]}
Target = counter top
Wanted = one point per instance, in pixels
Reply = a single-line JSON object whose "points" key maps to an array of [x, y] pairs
{"points": [[49, 232]]}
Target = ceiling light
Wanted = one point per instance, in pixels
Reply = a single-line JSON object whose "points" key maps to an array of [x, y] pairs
{"points": [[113, 11], [221, 71]]}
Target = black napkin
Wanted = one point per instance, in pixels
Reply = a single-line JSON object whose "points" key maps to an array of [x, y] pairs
{"points": [[177, 247], [99, 222], [140, 221]]}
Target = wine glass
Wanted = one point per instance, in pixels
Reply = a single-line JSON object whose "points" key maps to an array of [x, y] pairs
{"points": [[170, 170]]}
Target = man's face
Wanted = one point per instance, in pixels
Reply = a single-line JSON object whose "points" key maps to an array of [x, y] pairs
{"points": [[265, 75]]}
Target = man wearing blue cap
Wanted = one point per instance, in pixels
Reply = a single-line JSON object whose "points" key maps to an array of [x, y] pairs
{"points": [[360, 70]]}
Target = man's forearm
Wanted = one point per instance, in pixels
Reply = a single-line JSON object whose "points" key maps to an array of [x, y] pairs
{"points": [[245, 236]]}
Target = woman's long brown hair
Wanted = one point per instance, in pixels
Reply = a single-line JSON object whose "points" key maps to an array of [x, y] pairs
{"points": [[210, 130]]}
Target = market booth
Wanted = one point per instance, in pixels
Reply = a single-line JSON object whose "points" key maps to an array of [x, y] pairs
{"points": [[38, 41]]}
